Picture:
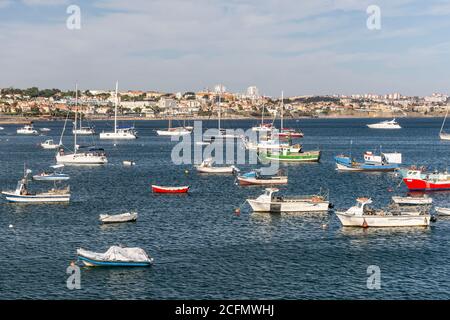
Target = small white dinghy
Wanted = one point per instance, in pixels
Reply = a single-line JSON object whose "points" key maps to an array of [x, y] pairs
{"points": [[118, 218], [115, 256], [414, 201], [128, 163], [207, 166], [442, 211]]}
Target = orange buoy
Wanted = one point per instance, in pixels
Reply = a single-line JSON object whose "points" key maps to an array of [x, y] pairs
{"points": [[365, 225]]}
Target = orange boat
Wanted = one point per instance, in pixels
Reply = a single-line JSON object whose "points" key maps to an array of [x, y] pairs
{"points": [[160, 189]]}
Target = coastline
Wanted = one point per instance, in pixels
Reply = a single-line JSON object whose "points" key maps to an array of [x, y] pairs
{"points": [[24, 120]]}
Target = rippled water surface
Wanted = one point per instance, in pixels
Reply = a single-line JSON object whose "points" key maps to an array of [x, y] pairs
{"points": [[202, 250]]}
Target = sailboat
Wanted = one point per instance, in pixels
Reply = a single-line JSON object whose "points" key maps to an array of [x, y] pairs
{"points": [[287, 132], [263, 127], [221, 133], [120, 133], [442, 134], [82, 131], [92, 156], [176, 131]]}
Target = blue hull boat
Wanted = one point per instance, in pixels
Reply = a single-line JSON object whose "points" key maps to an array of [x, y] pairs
{"points": [[344, 163], [115, 256], [93, 263]]}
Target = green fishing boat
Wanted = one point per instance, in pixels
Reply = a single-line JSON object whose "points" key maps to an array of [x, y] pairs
{"points": [[288, 156]]}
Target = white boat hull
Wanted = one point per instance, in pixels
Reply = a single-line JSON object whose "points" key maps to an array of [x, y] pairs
{"points": [[172, 133], [117, 136], [49, 146], [215, 169], [80, 159], [412, 200], [294, 206], [443, 211], [83, 132], [383, 221], [39, 198], [383, 126], [27, 132], [444, 136]]}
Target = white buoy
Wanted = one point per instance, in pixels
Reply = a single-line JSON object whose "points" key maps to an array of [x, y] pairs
{"points": [[11, 226]]}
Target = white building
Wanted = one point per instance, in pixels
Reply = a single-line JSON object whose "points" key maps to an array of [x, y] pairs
{"points": [[166, 103], [253, 92], [436, 98]]}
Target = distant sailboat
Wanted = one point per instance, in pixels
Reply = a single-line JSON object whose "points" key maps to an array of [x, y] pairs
{"points": [[221, 133], [442, 134], [176, 131], [119, 133], [82, 131], [92, 156]]}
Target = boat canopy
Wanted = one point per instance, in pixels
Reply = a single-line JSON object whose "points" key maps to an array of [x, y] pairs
{"points": [[116, 253]]}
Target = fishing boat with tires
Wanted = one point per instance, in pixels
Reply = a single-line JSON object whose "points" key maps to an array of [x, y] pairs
{"points": [[115, 256], [256, 177], [118, 218], [361, 215], [23, 195], [175, 190], [269, 202]]}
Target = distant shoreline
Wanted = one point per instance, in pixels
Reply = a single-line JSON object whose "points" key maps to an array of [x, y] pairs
{"points": [[23, 120]]}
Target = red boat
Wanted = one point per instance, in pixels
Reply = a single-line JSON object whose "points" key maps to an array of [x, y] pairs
{"points": [[160, 189], [416, 180]]}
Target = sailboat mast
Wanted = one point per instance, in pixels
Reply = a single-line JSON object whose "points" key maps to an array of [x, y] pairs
{"points": [[443, 123], [220, 107], [76, 112], [262, 116], [115, 109], [282, 107]]}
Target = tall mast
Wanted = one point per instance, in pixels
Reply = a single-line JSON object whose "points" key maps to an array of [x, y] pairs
{"points": [[115, 110], [262, 117], [443, 123], [220, 107], [76, 111], [282, 107]]}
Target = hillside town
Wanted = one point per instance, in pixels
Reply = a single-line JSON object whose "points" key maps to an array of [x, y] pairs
{"points": [[99, 104]]}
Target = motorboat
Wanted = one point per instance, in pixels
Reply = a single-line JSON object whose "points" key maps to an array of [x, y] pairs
{"points": [[115, 256], [23, 195], [388, 124], [118, 218], [268, 202], [45, 130], [361, 215], [119, 133], [52, 176], [372, 162], [442, 211], [49, 145], [128, 163], [255, 177], [412, 201], [162, 189], [421, 180], [207, 166], [28, 129]]}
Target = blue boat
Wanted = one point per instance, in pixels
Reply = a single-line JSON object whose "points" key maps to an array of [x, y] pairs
{"points": [[115, 256], [346, 163]]}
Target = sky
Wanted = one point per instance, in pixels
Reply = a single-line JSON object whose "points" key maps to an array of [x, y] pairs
{"points": [[299, 47]]}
